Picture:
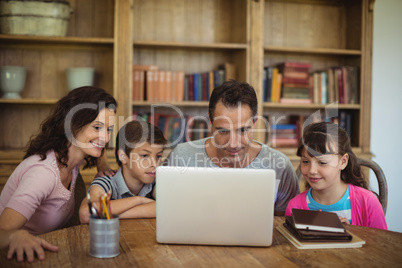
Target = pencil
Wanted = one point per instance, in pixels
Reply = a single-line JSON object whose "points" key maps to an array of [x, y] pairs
{"points": [[109, 194], [105, 207]]}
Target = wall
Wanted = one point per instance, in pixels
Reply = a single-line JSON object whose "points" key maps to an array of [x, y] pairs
{"points": [[386, 113]]}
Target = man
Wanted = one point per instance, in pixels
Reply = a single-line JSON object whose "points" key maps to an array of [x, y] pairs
{"points": [[233, 114]]}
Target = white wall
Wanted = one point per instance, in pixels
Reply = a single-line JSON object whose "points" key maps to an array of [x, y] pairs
{"points": [[386, 111]]}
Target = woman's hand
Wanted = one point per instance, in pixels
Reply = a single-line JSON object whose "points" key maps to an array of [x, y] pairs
{"points": [[104, 168], [107, 172], [21, 242]]}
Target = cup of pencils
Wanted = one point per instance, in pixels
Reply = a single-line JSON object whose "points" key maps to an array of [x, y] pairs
{"points": [[104, 232]]}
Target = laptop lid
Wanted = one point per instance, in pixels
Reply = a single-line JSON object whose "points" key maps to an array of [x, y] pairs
{"points": [[215, 206]]}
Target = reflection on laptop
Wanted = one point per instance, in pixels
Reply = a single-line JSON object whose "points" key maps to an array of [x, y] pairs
{"points": [[215, 206]]}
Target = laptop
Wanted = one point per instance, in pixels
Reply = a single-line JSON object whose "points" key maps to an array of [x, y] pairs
{"points": [[215, 206]]}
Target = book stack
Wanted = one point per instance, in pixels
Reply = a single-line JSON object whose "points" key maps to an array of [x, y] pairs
{"points": [[308, 229], [284, 135], [295, 82]]}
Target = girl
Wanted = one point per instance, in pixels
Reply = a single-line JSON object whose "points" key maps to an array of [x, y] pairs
{"points": [[334, 178], [39, 195], [139, 150]]}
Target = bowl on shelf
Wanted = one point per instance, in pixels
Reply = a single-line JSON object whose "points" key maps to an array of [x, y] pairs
{"points": [[12, 81], [34, 17], [79, 77]]}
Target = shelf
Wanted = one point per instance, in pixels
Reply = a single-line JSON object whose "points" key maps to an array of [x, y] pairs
{"points": [[174, 103], [235, 46], [28, 101], [311, 106], [54, 40], [322, 51]]}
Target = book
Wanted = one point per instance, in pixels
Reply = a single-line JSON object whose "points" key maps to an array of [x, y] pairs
{"points": [[269, 84], [230, 71], [295, 101], [151, 85], [179, 86], [160, 90], [356, 241], [318, 236], [138, 85], [317, 220], [211, 83], [324, 89], [168, 95]]}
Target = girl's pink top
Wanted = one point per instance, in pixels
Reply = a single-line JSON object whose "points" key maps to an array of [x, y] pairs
{"points": [[366, 208]]}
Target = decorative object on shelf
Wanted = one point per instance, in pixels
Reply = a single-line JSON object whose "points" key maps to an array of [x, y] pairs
{"points": [[12, 81], [34, 17], [79, 77]]}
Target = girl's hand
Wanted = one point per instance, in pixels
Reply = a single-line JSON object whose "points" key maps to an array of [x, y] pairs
{"points": [[22, 242], [344, 220]]}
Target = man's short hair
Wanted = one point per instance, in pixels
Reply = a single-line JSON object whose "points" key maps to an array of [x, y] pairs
{"points": [[233, 93]]}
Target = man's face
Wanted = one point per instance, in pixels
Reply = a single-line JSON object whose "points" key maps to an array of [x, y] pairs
{"points": [[232, 130]]}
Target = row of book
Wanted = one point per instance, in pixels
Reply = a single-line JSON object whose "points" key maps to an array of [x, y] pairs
{"points": [[152, 84], [336, 84], [287, 132], [294, 82]]}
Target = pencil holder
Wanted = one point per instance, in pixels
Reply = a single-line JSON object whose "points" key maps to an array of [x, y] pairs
{"points": [[104, 237]]}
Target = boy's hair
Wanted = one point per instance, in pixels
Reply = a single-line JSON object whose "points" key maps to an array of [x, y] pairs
{"points": [[231, 93], [328, 138], [136, 132]]}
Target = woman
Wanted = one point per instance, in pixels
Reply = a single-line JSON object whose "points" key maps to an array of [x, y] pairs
{"points": [[39, 195]]}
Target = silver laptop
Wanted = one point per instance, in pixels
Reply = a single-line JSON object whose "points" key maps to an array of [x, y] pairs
{"points": [[214, 206]]}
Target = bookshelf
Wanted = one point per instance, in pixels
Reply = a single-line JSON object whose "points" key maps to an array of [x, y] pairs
{"points": [[193, 36], [323, 34], [89, 42]]}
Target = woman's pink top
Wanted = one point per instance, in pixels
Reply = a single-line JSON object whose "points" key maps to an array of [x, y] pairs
{"points": [[34, 189], [366, 208]]}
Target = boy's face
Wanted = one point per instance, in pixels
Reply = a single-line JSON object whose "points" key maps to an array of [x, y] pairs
{"points": [[142, 163]]}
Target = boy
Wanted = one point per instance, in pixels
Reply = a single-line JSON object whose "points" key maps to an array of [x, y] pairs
{"points": [[139, 149]]}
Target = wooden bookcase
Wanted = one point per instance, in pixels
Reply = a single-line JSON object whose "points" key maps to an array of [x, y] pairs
{"points": [[191, 36], [324, 34]]}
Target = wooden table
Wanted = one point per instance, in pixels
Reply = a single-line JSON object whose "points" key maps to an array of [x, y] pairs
{"points": [[138, 248]]}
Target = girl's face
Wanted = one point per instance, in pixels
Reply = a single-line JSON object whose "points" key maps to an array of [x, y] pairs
{"points": [[93, 137], [323, 172], [142, 163]]}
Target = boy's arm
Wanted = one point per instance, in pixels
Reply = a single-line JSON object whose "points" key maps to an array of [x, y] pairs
{"points": [[118, 206], [147, 210]]}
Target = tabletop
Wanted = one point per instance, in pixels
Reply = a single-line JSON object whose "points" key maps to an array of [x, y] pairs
{"points": [[138, 248]]}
